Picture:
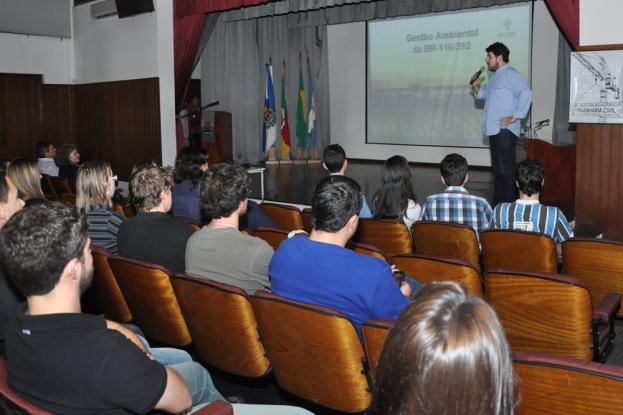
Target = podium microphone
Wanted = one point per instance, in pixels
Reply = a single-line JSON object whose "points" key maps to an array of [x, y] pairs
{"points": [[541, 122], [482, 69]]}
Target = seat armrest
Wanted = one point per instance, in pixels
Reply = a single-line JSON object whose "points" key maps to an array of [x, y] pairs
{"points": [[608, 306], [216, 408]]}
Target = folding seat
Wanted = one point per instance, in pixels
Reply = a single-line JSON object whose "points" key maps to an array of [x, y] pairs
{"points": [[61, 186], [519, 250], [285, 216], [48, 188], [375, 332], [365, 249], [105, 290], [274, 236], [306, 216], [389, 235]]}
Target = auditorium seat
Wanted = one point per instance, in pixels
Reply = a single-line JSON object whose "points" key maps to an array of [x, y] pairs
{"points": [[69, 199], [518, 250], [104, 289], [314, 351], [48, 188], [597, 262], [306, 215], [61, 186], [285, 216], [192, 223], [222, 325], [147, 290], [274, 236], [552, 313], [365, 249], [375, 332], [428, 268], [447, 239], [117, 207], [129, 211], [559, 385], [389, 235]]}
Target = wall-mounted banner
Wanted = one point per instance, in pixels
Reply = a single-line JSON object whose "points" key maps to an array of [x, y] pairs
{"points": [[595, 94]]}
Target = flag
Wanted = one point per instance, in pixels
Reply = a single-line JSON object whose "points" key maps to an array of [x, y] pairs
{"points": [[301, 114], [269, 128], [311, 115], [285, 128]]}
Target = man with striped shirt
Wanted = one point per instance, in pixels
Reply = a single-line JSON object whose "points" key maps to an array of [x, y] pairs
{"points": [[455, 204], [526, 213]]}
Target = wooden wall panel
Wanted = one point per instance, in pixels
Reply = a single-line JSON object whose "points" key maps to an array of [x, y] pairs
{"points": [[21, 118], [119, 122], [59, 114], [599, 179]]}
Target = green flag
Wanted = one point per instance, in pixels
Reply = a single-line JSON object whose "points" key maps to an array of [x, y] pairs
{"points": [[301, 114]]}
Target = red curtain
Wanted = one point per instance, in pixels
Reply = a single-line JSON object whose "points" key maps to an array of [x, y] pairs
{"points": [[186, 34], [189, 7], [567, 14]]}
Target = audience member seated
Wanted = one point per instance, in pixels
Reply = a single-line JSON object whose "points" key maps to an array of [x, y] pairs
{"points": [[455, 204], [334, 161], [152, 235], [526, 213], [219, 251], [190, 164], [46, 153], [446, 354], [26, 177], [67, 159], [396, 199], [95, 187], [319, 269], [142, 164], [10, 297]]}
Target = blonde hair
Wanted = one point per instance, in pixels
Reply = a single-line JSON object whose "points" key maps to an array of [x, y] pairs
{"points": [[92, 184], [26, 177]]}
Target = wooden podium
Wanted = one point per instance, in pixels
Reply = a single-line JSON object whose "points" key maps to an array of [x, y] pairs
{"points": [[559, 162], [222, 149]]}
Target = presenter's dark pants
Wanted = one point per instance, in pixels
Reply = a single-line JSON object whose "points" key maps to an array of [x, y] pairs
{"points": [[503, 160]]}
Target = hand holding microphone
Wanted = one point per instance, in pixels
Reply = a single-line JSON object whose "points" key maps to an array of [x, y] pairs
{"points": [[477, 76]]}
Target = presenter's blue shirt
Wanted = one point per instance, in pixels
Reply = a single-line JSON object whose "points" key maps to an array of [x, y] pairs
{"points": [[506, 95]]}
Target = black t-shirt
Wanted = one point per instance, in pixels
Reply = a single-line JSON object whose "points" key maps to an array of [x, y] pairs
{"points": [[68, 171], [155, 237], [10, 299], [73, 364]]}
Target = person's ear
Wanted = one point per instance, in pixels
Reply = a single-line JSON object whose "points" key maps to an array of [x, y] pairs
{"points": [[352, 222], [345, 165], [466, 178], [324, 166], [516, 183], [2, 213], [443, 181]]}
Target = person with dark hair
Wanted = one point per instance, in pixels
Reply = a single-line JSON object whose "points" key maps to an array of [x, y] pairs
{"points": [[446, 354], [455, 204], [396, 198], [190, 163], [219, 251], [507, 99], [26, 177], [46, 153], [10, 297], [152, 235], [319, 269], [526, 213], [67, 159], [335, 162], [142, 164]]}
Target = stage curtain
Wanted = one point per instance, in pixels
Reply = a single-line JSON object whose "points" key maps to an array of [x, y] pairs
{"points": [[186, 34], [236, 77], [563, 131], [567, 14]]}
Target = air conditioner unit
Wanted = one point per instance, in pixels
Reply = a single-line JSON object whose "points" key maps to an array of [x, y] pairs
{"points": [[103, 9]]}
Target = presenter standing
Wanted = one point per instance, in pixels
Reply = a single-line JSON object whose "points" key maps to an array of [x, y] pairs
{"points": [[507, 99]]}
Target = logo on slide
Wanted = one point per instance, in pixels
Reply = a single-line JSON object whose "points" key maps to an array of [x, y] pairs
{"points": [[507, 24], [508, 34]]}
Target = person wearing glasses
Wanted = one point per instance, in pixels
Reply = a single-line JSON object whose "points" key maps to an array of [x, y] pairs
{"points": [[95, 186]]}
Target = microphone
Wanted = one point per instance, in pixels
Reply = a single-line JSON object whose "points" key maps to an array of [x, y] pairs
{"points": [[482, 69], [541, 122]]}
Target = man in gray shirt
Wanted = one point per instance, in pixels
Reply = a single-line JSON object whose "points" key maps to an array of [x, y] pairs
{"points": [[219, 251]]}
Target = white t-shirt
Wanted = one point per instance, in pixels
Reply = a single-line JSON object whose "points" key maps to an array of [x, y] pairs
{"points": [[412, 214]]}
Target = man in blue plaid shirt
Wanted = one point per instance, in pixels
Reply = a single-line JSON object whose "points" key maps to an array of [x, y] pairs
{"points": [[455, 204]]}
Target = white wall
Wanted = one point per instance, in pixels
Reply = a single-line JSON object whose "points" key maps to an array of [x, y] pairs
{"points": [[599, 22], [347, 80], [51, 57]]}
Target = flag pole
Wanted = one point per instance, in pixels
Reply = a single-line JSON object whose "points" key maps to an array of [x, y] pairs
{"points": [[301, 116]]}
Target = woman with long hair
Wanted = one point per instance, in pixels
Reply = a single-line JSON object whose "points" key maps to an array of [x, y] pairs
{"points": [[446, 354], [396, 199], [67, 159], [190, 163], [26, 177], [95, 187]]}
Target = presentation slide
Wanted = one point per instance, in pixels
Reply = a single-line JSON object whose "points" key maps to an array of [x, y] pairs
{"points": [[419, 68]]}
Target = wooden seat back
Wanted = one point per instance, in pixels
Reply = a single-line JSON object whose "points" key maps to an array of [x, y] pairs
{"points": [[366, 249], [72, 186], [195, 225], [147, 290], [542, 312], [447, 239], [314, 351], [567, 386], [117, 207], [519, 250], [10, 402], [389, 235], [427, 268], [69, 199], [597, 262], [306, 216], [47, 187], [222, 325], [285, 216], [129, 211], [274, 236], [105, 290], [375, 332], [61, 185]]}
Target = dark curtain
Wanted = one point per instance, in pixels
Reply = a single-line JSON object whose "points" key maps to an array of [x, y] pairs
{"points": [[567, 14]]}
